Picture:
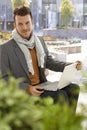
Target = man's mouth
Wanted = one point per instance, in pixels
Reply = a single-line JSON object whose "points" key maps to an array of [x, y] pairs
{"points": [[25, 31]]}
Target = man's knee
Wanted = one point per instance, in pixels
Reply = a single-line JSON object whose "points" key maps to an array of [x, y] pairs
{"points": [[74, 88], [61, 96]]}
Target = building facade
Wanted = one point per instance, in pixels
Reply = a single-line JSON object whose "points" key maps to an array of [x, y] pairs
{"points": [[6, 18], [85, 12], [46, 14]]}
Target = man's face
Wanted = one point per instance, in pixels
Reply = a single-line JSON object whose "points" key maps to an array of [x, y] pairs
{"points": [[24, 25]]}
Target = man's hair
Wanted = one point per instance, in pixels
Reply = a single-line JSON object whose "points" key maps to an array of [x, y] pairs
{"points": [[22, 11]]}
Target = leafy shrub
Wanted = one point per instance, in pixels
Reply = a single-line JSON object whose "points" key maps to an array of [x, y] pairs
{"points": [[4, 36], [21, 111], [17, 109]]}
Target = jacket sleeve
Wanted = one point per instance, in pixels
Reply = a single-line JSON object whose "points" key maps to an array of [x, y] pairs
{"points": [[4, 64], [55, 65]]}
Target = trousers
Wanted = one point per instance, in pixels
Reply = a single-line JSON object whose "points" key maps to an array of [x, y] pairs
{"points": [[69, 93]]}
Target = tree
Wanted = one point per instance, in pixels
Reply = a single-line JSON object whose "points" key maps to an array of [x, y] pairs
{"points": [[16, 3], [67, 12]]}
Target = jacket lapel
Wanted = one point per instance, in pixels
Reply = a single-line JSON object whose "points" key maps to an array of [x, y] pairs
{"points": [[21, 58]]}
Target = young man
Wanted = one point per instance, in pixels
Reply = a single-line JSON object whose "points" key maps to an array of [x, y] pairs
{"points": [[26, 56]]}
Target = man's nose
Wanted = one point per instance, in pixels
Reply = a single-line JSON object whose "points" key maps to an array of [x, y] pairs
{"points": [[24, 27]]}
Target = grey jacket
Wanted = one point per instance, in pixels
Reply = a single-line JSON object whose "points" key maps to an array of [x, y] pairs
{"points": [[12, 60]]}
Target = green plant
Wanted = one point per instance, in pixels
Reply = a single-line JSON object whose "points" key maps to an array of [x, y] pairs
{"points": [[16, 3], [5, 36], [17, 109], [67, 12], [59, 117], [21, 111]]}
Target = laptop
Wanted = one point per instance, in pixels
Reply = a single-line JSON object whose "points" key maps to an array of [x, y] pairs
{"points": [[67, 77]]}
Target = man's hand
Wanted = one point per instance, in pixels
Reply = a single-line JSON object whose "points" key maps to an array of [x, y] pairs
{"points": [[78, 65], [34, 90]]}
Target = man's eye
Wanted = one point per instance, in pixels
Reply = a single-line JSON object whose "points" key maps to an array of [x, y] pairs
{"points": [[20, 24], [28, 23]]}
